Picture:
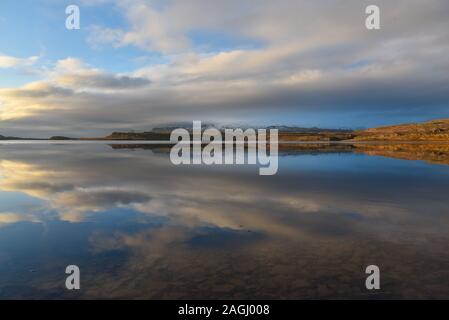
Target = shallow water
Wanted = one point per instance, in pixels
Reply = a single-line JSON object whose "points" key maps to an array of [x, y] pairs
{"points": [[140, 227]]}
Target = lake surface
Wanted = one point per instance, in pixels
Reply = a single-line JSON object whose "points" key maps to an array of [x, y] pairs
{"points": [[139, 227]]}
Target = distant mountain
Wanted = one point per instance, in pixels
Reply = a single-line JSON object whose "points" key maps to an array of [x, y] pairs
{"points": [[281, 128], [10, 138], [151, 136], [307, 130]]}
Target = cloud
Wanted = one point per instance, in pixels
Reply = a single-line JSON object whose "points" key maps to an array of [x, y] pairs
{"points": [[71, 86], [100, 36], [13, 62], [302, 57], [73, 73]]}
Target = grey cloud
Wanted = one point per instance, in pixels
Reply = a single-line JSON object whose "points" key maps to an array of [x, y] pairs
{"points": [[45, 91], [107, 81], [311, 57]]}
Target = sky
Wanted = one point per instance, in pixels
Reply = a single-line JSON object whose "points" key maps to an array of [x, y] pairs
{"points": [[137, 64]]}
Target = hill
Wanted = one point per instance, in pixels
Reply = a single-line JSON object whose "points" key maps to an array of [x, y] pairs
{"points": [[436, 130], [10, 138]]}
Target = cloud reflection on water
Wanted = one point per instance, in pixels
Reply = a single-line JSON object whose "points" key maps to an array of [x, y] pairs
{"points": [[214, 232]]}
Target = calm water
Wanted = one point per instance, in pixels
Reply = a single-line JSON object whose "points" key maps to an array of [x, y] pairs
{"points": [[139, 227]]}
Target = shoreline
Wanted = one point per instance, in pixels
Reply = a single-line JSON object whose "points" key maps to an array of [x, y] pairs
{"points": [[301, 142]]}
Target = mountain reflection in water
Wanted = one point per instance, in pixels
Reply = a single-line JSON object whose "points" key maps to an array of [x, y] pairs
{"points": [[139, 227]]}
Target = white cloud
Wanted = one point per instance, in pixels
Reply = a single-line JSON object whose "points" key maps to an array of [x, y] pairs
{"points": [[13, 62], [100, 35]]}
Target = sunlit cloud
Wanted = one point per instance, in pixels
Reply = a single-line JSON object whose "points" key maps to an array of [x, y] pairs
{"points": [[13, 62]]}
